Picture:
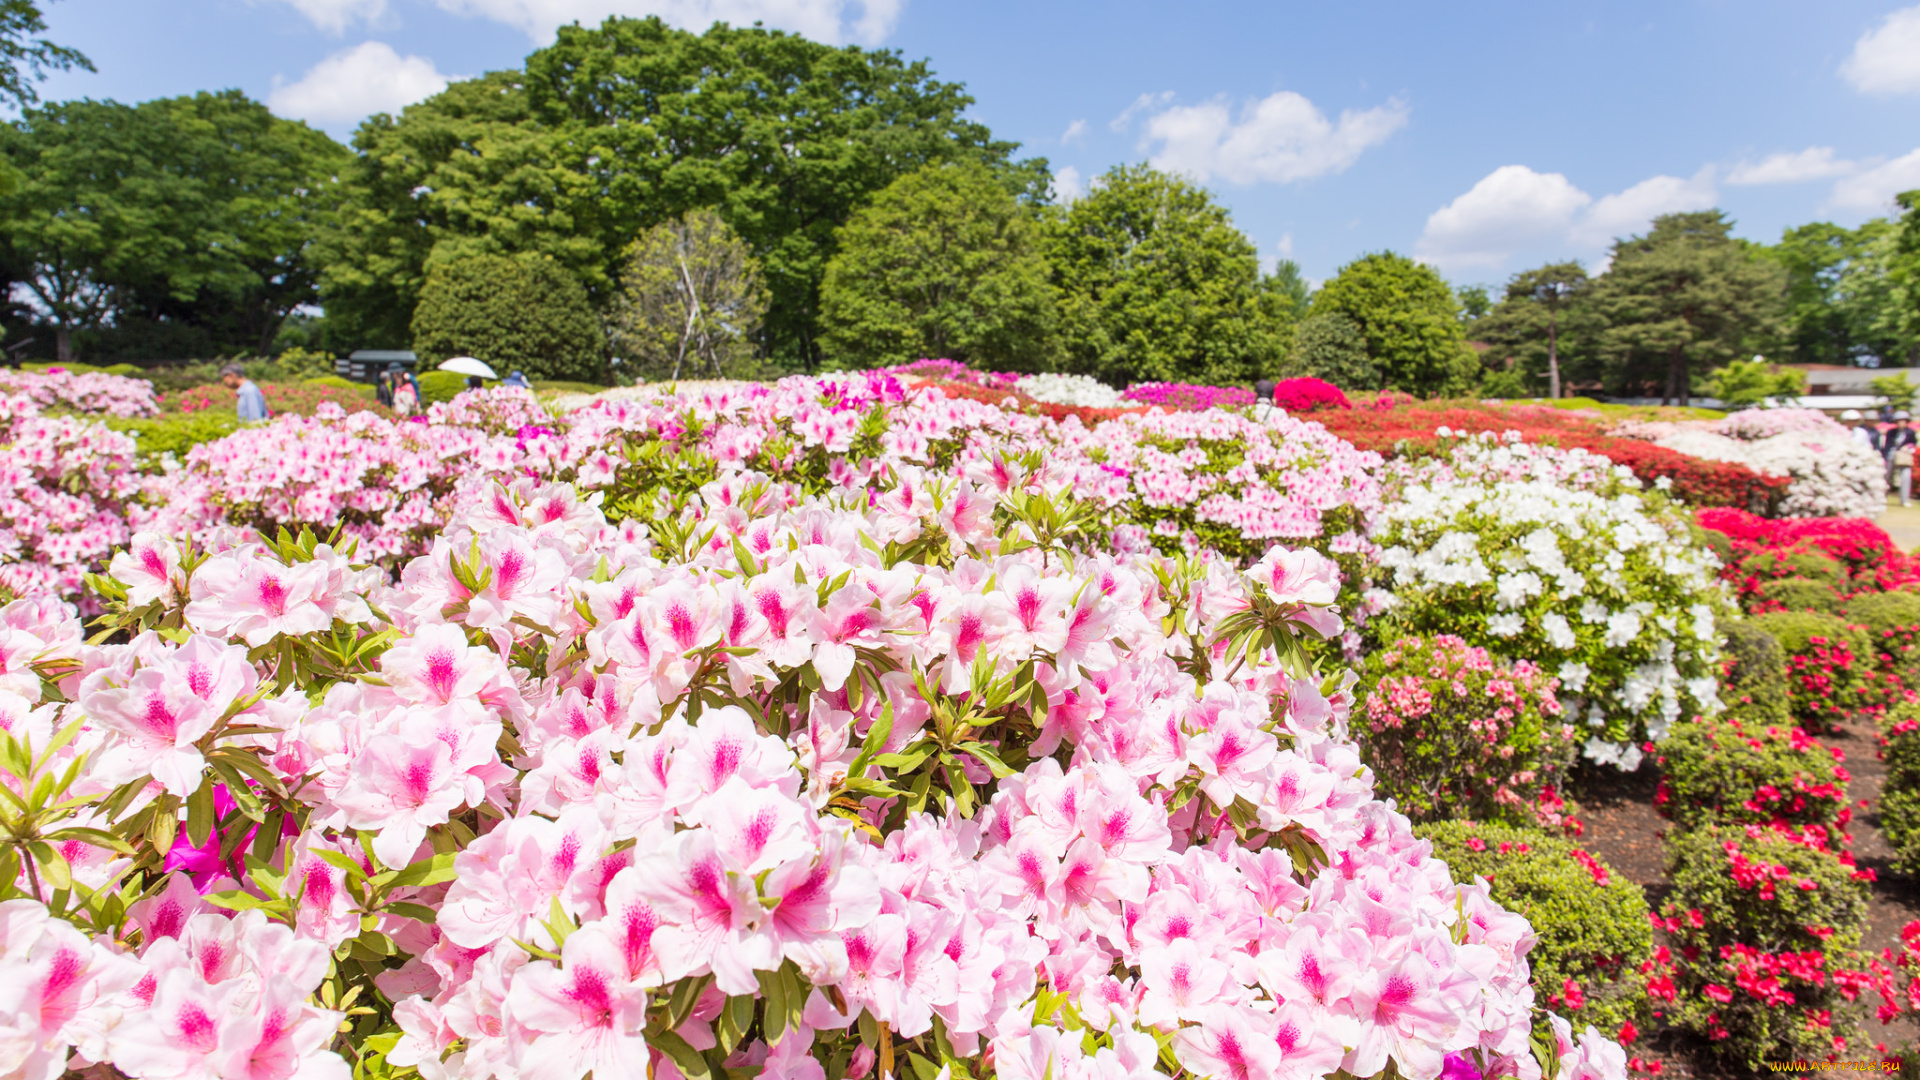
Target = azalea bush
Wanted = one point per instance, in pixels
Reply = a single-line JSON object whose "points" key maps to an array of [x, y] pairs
{"points": [[1852, 555], [1732, 770], [1832, 673], [91, 392], [1452, 733], [1591, 923], [1765, 964], [1560, 557], [1753, 674], [1059, 389], [68, 488], [902, 776], [1308, 395]]}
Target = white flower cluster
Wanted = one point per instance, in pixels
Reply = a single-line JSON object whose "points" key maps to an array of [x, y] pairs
{"points": [[1833, 475], [1576, 568], [1057, 389]]}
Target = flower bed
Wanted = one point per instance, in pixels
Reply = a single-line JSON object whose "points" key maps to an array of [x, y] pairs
{"points": [[93, 392], [772, 780], [1189, 396], [1420, 430]]}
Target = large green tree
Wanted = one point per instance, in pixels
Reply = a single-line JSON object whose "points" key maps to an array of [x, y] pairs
{"points": [[1841, 305], [1903, 270], [1539, 313], [943, 263], [1410, 320], [1684, 299], [615, 129], [690, 300], [1156, 284], [185, 218]]}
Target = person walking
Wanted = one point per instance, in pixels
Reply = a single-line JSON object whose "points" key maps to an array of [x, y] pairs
{"points": [[406, 392], [517, 378], [383, 389], [1864, 432], [251, 404], [1899, 448]]}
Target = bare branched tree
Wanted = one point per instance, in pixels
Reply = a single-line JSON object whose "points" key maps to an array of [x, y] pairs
{"points": [[691, 297]]}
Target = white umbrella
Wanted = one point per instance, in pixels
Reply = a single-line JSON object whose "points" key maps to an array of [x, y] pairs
{"points": [[467, 365]]}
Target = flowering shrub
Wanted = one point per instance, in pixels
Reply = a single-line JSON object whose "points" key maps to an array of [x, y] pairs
{"points": [[1766, 924], [1308, 395], [895, 777], [1189, 396], [93, 392], [1854, 555], [1731, 770], [1831, 670], [1017, 401], [1832, 475], [67, 488], [1559, 557], [1892, 623], [1410, 429], [1899, 804], [1070, 390], [1591, 922], [1451, 733]]}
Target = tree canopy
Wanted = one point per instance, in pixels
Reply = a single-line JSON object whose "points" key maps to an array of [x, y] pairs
{"points": [[1410, 320], [614, 129], [1155, 284], [943, 263], [1840, 300], [1539, 313], [690, 300], [1684, 299], [26, 59], [186, 219]]}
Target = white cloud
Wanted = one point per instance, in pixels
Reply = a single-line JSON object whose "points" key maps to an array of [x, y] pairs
{"points": [[1632, 210], [1886, 59], [1140, 104], [356, 83], [1285, 246], [1813, 163], [1514, 209], [1278, 138], [334, 16], [865, 21], [1874, 189], [1075, 131], [1510, 209], [1068, 185]]}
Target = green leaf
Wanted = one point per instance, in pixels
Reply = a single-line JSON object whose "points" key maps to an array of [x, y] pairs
{"points": [[690, 1060], [200, 814], [420, 875]]}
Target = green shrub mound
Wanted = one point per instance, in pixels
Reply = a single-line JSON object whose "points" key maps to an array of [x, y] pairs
{"points": [[1809, 563], [1592, 922], [1734, 770], [440, 386], [1799, 594], [173, 433], [1760, 923], [1899, 803], [521, 312], [1755, 680], [1880, 612]]}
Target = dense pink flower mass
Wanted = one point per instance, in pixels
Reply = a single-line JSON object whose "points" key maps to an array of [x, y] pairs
{"points": [[810, 772]]}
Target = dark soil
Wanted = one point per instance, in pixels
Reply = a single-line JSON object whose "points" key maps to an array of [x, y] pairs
{"points": [[1625, 832]]}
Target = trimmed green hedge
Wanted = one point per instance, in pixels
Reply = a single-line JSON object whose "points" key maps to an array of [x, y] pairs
{"points": [[1731, 770]]}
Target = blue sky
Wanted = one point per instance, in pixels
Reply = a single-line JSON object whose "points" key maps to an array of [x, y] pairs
{"points": [[1484, 137]]}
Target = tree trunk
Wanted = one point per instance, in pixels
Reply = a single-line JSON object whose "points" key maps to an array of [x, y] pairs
{"points": [[63, 345], [1677, 376], [1553, 357]]}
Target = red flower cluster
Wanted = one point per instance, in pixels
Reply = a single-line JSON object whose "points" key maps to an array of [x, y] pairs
{"points": [[1408, 429], [1308, 395], [1871, 560]]}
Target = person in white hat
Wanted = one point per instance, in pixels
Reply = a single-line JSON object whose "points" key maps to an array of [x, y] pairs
{"points": [[1864, 432]]}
